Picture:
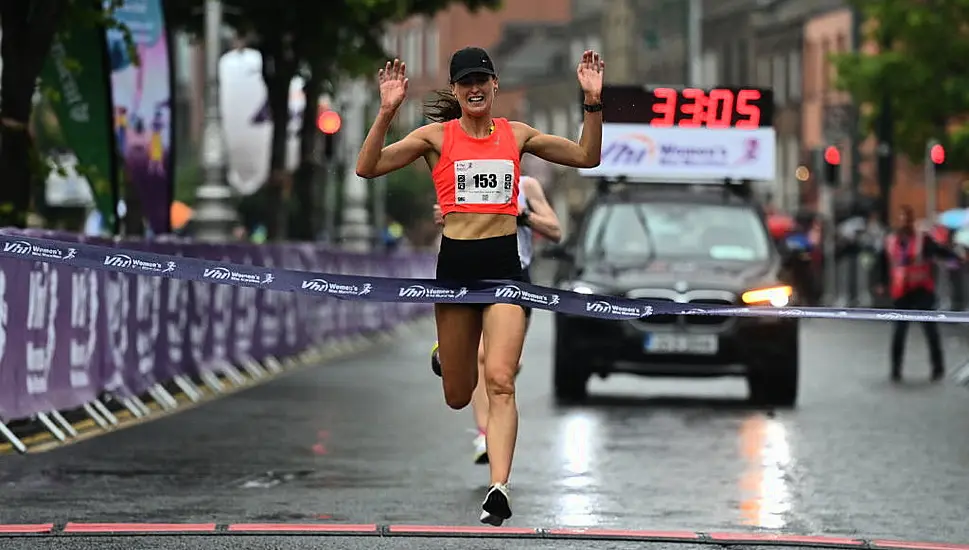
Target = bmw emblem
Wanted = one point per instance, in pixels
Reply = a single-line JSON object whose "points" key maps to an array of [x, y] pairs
{"points": [[680, 286]]}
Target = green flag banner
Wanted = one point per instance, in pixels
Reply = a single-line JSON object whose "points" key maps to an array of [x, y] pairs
{"points": [[77, 70]]}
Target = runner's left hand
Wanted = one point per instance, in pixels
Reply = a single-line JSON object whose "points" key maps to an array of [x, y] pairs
{"points": [[589, 72]]}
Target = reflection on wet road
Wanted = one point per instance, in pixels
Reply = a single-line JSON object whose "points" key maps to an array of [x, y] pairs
{"points": [[765, 497], [369, 439]]}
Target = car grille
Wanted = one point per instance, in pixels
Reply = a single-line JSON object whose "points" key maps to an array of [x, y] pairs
{"points": [[691, 320]]}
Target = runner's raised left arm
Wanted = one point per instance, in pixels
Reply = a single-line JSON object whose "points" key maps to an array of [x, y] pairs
{"points": [[587, 153]]}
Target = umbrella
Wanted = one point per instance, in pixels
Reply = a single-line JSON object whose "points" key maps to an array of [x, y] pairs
{"points": [[779, 225], [961, 238], [850, 228], [955, 218]]}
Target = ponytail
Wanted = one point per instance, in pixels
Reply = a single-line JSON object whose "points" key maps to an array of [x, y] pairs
{"points": [[443, 107]]}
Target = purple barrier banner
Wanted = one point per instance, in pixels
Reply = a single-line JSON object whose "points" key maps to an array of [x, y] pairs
{"points": [[69, 334]]}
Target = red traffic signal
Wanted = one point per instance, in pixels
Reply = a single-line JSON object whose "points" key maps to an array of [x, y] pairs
{"points": [[329, 122], [937, 154], [832, 155]]}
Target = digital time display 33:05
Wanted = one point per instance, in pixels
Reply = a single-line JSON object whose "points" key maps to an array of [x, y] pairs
{"points": [[741, 108]]}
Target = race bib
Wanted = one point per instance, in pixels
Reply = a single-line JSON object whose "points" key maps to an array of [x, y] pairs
{"points": [[489, 181]]}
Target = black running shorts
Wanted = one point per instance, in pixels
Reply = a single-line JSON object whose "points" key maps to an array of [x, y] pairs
{"points": [[468, 261]]}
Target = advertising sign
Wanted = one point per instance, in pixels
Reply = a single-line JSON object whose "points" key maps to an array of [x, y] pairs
{"points": [[247, 121], [640, 151], [142, 96], [82, 110]]}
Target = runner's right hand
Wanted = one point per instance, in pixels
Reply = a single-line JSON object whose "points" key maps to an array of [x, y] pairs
{"points": [[393, 84]]}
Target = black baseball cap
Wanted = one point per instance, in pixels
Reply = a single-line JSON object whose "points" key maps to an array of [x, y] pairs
{"points": [[468, 61]]}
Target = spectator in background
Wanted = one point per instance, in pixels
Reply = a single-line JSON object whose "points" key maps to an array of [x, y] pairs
{"points": [[906, 267], [803, 249]]}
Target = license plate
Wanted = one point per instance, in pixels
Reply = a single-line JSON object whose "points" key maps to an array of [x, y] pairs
{"points": [[700, 344]]}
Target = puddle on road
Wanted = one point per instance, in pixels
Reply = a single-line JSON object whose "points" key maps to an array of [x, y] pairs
{"points": [[272, 479], [313, 479], [284, 517]]}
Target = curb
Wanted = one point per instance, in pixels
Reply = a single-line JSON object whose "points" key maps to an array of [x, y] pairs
{"points": [[72, 529], [232, 378]]}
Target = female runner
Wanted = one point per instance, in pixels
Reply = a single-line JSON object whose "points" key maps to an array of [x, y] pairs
{"points": [[535, 216], [475, 163]]}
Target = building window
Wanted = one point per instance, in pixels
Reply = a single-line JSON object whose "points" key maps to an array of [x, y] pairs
{"points": [[824, 67], [560, 123], [432, 45], [727, 74], [763, 72], [414, 54], [742, 76], [540, 121], [795, 73], [809, 84], [779, 71], [710, 69], [791, 193], [413, 114], [576, 48]]}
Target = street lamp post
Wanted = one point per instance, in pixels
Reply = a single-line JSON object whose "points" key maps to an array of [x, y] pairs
{"points": [[214, 214], [356, 232]]}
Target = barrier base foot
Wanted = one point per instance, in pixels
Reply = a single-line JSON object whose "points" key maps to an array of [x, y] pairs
{"points": [[97, 418], [105, 412], [134, 409], [51, 427], [145, 410], [188, 388], [12, 439], [254, 369], [162, 397], [63, 423], [212, 381], [232, 373], [273, 365]]}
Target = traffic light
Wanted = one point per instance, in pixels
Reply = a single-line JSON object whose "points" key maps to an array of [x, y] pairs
{"points": [[832, 165], [329, 123], [936, 155]]}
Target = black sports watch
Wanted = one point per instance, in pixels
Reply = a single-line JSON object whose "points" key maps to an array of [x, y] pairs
{"points": [[522, 219], [592, 108]]}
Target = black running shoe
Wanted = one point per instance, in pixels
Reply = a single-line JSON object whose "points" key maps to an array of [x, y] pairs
{"points": [[496, 507], [435, 360]]}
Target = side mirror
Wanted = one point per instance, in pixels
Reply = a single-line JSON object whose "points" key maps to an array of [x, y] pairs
{"points": [[557, 252]]}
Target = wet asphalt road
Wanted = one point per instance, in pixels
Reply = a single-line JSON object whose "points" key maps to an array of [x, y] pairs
{"points": [[370, 440]]}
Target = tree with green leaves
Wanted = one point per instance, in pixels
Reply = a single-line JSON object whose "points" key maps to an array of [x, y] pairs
{"points": [[28, 28], [923, 75], [319, 41]]}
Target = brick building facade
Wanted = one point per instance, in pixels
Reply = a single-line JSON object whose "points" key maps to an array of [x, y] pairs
{"points": [[426, 43]]}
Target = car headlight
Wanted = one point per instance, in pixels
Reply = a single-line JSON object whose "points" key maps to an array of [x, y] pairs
{"points": [[777, 296]]}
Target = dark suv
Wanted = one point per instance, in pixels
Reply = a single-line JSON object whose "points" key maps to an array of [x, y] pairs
{"points": [[689, 244]]}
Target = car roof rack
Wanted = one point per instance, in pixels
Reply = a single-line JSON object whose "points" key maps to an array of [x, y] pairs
{"points": [[742, 189], [728, 187]]}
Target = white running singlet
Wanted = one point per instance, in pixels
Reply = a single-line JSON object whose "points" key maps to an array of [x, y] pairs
{"points": [[524, 233]]}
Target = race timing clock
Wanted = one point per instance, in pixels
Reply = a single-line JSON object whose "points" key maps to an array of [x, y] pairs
{"points": [[664, 107]]}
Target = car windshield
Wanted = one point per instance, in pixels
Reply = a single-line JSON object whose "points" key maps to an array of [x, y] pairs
{"points": [[668, 230]]}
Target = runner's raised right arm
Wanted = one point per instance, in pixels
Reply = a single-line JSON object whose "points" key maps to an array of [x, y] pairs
{"points": [[375, 160]]}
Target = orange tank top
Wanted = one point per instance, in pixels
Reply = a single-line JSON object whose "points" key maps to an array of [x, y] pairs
{"points": [[478, 175]]}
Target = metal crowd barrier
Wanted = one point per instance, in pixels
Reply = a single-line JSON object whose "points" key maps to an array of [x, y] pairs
{"points": [[81, 341], [951, 285]]}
